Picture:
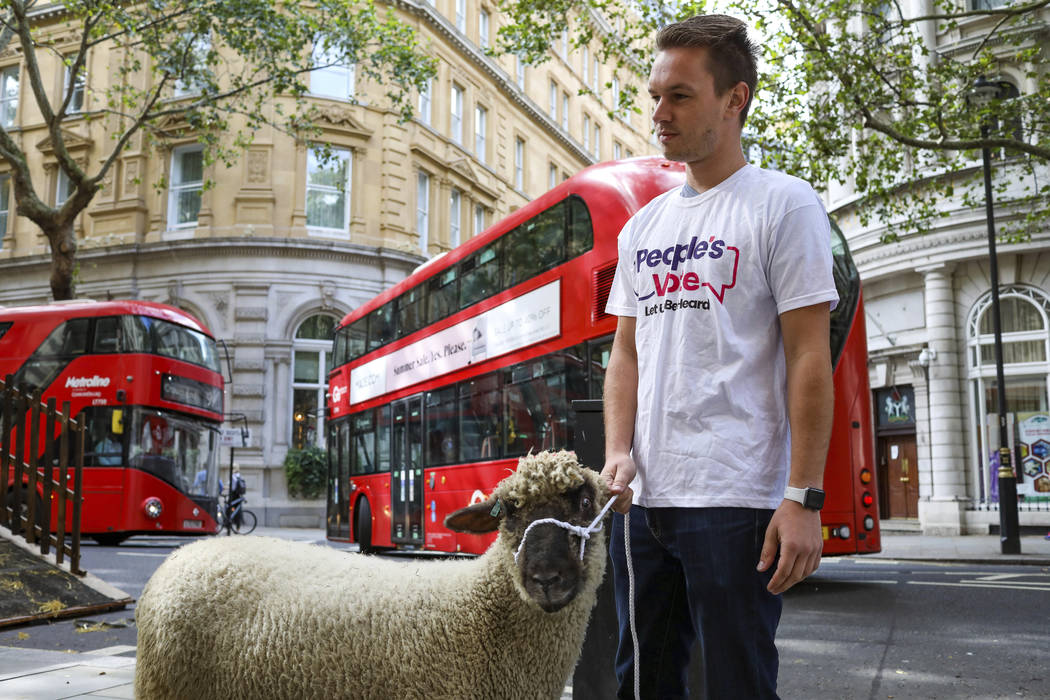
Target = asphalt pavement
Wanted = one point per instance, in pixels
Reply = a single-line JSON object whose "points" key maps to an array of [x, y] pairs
{"points": [[30, 674]]}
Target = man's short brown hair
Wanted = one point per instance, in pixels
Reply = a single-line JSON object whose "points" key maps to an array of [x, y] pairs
{"points": [[731, 56]]}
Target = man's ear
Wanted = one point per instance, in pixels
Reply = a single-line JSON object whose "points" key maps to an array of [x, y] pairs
{"points": [[477, 519], [738, 97]]}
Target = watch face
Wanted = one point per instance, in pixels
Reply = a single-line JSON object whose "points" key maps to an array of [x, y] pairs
{"points": [[814, 499]]}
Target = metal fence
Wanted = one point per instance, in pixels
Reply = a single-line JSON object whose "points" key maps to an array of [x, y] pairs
{"points": [[39, 503]]}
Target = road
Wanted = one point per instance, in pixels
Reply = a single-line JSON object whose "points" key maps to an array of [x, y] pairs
{"points": [[860, 628]]}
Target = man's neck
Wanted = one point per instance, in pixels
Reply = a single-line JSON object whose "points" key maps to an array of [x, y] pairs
{"points": [[710, 172]]}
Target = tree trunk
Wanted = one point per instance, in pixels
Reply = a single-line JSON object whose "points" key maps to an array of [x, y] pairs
{"points": [[63, 260]]}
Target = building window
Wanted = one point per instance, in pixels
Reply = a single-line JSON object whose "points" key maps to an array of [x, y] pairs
{"points": [[519, 72], [196, 62], [617, 150], [552, 176], [332, 76], [457, 114], [586, 133], [584, 62], [554, 100], [328, 189], [597, 142], [1025, 322], [187, 181], [565, 111], [425, 101], [76, 101], [8, 96], [615, 97], [454, 217], [461, 15], [565, 44], [5, 204], [479, 219], [423, 210], [594, 78], [311, 362], [483, 29], [480, 129], [519, 163], [63, 187]]}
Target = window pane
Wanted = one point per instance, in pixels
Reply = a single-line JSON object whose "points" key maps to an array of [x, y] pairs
{"points": [[442, 295], [305, 414], [107, 331], [581, 233], [187, 206], [319, 327], [358, 337], [330, 172], [381, 326], [536, 245], [410, 314], [479, 410], [307, 366], [441, 432], [190, 166], [1020, 351], [480, 276]]}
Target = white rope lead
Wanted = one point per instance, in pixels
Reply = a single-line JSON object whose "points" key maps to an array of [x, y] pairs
{"points": [[584, 533], [630, 602]]}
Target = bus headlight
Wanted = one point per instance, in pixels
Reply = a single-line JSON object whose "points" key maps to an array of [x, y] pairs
{"points": [[153, 507]]}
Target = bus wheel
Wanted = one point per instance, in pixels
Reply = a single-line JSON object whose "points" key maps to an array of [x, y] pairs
{"points": [[110, 539], [15, 525], [363, 527]]}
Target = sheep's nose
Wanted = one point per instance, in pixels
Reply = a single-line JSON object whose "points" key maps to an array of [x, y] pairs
{"points": [[546, 579]]}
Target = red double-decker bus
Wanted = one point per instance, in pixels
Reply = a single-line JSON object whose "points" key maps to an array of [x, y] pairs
{"points": [[146, 380], [440, 383]]}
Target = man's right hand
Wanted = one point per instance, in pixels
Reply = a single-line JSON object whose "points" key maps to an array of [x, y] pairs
{"points": [[618, 473]]}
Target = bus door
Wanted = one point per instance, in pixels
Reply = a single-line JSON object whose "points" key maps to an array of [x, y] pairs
{"points": [[406, 480]]}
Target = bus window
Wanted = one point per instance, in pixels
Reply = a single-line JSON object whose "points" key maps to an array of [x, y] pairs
{"points": [[441, 433], [179, 450], [67, 341], [381, 326], [536, 402], [410, 316], [103, 447], [107, 335], [479, 276], [580, 230], [536, 245], [363, 435], [599, 352], [136, 337], [181, 343], [383, 439], [442, 295], [479, 415], [357, 338]]}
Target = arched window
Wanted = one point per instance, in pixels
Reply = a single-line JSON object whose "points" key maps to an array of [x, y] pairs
{"points": [[1025, 322], [311, 361]]}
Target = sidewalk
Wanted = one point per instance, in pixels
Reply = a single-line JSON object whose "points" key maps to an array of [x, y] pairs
{"points": [[30, 674]]}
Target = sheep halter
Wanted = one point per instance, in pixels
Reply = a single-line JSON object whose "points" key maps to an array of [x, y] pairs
{"points": [[584, 533]]}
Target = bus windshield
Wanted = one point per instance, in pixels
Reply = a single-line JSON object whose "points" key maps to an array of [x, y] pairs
{"points": [[181, 450]]}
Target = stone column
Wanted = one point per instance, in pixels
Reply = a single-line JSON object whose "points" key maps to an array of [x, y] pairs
{"points": [[941, 506]]}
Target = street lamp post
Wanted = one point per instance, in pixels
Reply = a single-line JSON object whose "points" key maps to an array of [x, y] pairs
{"points": [[1009, 537]]}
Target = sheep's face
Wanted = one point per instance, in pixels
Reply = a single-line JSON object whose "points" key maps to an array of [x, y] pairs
{"points": [[548, 485], [549, 564]]}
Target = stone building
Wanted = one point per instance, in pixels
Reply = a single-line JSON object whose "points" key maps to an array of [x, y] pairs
{"points": [[284, 244], [930, 342]]}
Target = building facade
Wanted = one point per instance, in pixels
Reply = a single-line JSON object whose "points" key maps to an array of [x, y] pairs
{"points": [[930, 339], [286, 242]]}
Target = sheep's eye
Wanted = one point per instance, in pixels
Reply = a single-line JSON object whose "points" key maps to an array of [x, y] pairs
{"points": [[586, 503]]}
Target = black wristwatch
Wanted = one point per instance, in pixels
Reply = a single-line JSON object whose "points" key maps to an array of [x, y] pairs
{"points": [[809, 497]]}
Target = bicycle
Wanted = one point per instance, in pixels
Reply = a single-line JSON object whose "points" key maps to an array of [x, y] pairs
{"points": [[241, 520]]}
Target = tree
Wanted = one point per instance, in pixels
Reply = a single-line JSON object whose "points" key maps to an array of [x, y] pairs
{"points": [[214, 67], [857, 92]]}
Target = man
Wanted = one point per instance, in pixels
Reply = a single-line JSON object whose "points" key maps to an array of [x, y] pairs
{"points": [[718, 394]]}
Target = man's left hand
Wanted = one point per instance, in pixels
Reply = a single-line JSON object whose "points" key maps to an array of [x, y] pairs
{"points": [[797, 531]]}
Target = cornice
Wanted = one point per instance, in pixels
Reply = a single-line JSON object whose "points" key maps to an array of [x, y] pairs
{"points": [[255, 247]]}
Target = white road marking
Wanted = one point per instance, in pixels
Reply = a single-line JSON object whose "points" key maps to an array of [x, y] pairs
{"points": [[1016, 586], [143, 554], [111, 651]]}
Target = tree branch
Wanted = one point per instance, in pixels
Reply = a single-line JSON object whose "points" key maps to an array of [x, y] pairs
{"points": [[32, 67]]}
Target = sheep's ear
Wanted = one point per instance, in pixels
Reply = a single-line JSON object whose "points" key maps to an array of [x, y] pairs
{"points": [[477, 519]]}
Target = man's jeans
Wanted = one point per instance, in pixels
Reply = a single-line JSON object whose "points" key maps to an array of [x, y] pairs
{"points": [[694, 570]]}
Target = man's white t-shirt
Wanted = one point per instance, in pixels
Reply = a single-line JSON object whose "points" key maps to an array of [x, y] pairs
{"points": [[707, 277]]}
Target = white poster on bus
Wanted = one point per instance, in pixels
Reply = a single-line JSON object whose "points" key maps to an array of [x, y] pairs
{"points": [[528, 319]]}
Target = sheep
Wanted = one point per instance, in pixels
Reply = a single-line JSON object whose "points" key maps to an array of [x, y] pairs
{"points": [[257, 617]]}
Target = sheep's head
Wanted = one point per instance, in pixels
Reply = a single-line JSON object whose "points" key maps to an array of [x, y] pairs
{"points": [[545, 485]]}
